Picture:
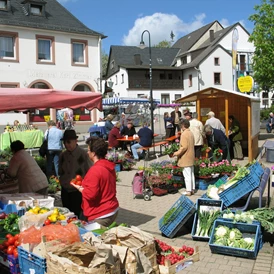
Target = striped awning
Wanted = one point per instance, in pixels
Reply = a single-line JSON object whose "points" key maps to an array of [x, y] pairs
{"points": [[125, 100]]}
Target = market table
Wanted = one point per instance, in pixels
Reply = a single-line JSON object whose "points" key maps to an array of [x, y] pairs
{"points": [[131, 139], [31, 138]]}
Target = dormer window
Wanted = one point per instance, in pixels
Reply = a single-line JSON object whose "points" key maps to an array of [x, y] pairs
{"points": [[36, 9], [3, 4]]}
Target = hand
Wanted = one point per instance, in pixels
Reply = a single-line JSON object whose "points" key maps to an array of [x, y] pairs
{"points": [[80, 188]]}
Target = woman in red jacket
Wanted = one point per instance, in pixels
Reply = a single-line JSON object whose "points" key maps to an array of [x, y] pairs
{"points": [[113, 135], [99, 202]]}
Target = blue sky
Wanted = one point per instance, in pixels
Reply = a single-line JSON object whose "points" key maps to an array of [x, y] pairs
{"points": [[123, 21]]}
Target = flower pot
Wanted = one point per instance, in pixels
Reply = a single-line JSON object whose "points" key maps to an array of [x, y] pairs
{"points": [[205, 177], [175, 185]]}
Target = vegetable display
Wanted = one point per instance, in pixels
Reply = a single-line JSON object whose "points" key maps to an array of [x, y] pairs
{"points": [[233, 238], [213, 191], [10, 224]]}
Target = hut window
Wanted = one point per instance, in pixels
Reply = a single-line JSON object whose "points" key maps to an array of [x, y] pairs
{"points": [[217, 78]]}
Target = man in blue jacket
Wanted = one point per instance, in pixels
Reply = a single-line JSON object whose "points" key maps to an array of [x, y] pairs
{"points": [[146, 136]]}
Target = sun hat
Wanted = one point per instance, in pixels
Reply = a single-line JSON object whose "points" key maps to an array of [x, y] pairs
{"points": [[69, 134]]}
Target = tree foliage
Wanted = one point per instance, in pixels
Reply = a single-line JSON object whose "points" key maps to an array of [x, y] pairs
{"points": [[163, 44], [104, 63], [263, 40]]}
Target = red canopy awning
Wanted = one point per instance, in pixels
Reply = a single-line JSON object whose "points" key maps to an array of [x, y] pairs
{"points": [[28, 98]]}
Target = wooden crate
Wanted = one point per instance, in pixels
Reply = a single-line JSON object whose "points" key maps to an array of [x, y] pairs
{"points": [[172, 269]]}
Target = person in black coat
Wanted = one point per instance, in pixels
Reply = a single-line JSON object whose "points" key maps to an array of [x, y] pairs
{"points": [[216, 139], [176, 115], [128, 130]]}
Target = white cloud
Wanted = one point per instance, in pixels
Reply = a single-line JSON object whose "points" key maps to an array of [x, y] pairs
{"points": [[160, 26]]}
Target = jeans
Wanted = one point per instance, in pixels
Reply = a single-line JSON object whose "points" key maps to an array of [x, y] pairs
{"points": [[53, 156], [268, 128], [134, 150]]}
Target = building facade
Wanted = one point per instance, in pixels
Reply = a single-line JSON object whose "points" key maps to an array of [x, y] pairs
{"points": [[196, 61], [42, 45]]}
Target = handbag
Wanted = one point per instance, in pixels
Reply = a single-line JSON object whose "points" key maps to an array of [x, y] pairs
{"points": [[44, 147]]}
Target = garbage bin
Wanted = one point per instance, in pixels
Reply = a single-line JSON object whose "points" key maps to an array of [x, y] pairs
{"points": [[269, 146]]}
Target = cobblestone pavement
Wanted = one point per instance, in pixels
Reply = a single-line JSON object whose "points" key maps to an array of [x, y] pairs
{"points": [[146, 215]]}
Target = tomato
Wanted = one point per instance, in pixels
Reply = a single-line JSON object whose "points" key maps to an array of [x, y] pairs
{"points": [[78, 183], [2, 247], [8, 236], [79, 178], [5, 244], [11, 240], [10, 250], [73, 181], [16, 237], [15, 253], [47, 222], [16, 243]]}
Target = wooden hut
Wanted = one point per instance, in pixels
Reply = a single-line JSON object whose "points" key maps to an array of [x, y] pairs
{"points": [[245, 108]]}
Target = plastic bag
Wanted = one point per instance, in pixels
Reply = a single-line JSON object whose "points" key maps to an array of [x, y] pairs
{"points": [[66, 234]]}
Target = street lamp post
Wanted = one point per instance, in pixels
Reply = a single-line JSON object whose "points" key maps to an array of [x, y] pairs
{"points": [[142, 45]]}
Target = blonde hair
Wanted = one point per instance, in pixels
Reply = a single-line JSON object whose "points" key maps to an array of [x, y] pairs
{"points": [[118, 124]]}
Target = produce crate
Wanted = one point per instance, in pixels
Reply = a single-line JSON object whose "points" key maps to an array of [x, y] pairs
{"points": [[172, 269], [257, 169], [176, 216], [11, 208], [13, 264], [239, 189], [203, 202], [4, 259], [29, 261], [237, 252]]}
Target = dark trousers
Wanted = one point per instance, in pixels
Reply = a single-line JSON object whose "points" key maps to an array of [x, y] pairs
{"points": [[198, 151], [53, 158], [169, 132], [72, 201]]}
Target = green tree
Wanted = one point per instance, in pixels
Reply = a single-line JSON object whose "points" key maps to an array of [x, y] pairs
{"points": [[263, 40], [104, 63], [163, 44]]}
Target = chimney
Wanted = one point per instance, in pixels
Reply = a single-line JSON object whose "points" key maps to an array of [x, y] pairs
{"points": [[211, 35], [137, 59]]}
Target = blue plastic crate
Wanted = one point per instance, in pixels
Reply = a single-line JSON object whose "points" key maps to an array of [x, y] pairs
{"points": [[11, 208], [28, 260], [13, 264], [118, 167], [257, 169], [180, 213], [178, 178], [237, 252], [203, 202], [239, 189]]}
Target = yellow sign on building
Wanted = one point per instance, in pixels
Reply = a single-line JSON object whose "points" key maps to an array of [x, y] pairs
{"points": [[245, 83]]}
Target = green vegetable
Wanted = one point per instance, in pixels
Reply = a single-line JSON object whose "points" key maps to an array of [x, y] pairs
{"points": [[167, 217]]}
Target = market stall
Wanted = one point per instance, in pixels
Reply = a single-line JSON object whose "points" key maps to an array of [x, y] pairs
{"points": [[245, 108], [30, 138]]}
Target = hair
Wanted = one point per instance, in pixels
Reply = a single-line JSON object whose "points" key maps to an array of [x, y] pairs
{"points": [[185, 123], [98, 146], [16, 146], [165, 114], [207, 128], [118, 124], [194, 115], [146, 124], [231, 117], [51, 123], [16, 121], [109, 117]]}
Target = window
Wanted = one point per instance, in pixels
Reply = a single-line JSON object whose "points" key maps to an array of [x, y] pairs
{"points": [[122, 78], [3, 4], [177, 96], [36, 9], [217, 78], [45, 49], [170, 76], [162, 76], [79, 53], [9, 46], [112, 64], [217, 61], [9, 85], [116, 80], [190, 80], [165, 99], [183, 60], [242, 62]]}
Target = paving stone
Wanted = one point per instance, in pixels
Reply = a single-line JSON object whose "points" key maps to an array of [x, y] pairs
{"points": [[242, 270]]}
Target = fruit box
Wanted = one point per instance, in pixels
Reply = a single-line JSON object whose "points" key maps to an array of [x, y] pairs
{"points": [[172, 269]]}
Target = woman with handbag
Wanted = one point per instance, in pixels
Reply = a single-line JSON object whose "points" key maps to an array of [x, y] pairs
{"points": [[31, 179]]}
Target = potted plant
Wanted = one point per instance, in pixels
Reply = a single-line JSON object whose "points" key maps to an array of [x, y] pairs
{"points": [[171, 148]]}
